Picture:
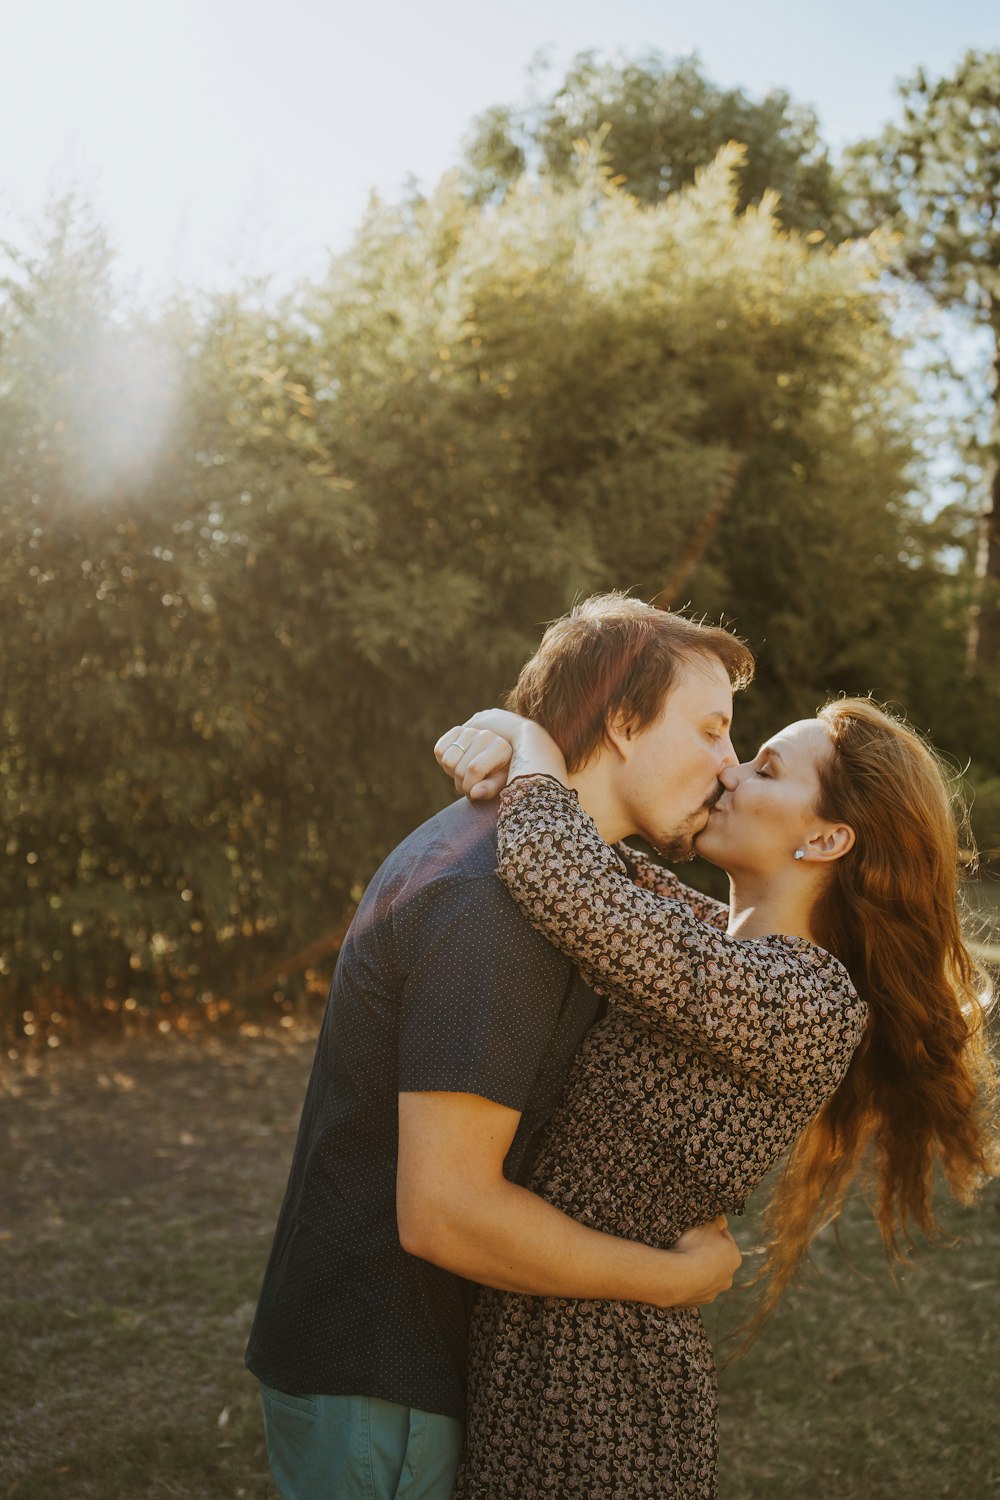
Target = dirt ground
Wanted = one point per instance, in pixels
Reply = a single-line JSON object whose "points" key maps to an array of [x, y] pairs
{"points": [[139, 1185]]}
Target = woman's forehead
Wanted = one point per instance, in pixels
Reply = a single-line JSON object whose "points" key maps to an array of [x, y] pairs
{"points": [[805, 740]]}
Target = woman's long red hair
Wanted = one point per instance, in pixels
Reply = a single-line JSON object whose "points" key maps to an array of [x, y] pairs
{"points": [[921, 1087]]}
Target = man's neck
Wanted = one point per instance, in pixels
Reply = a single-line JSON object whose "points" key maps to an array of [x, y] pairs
{"points": [[598, 798]]}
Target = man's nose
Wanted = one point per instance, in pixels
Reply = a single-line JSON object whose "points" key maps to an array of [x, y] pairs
{"points": [[729, 756]]}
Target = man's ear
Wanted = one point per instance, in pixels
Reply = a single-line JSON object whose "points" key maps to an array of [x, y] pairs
{"points": [[833, 843], [620, 731]]}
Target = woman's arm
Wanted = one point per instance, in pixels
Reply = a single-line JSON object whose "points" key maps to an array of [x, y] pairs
{"points": [[774, 1011], [650, 876], [480, 759]]}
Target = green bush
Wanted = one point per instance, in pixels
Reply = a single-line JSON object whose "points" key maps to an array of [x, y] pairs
{"points": [[256, 558]]}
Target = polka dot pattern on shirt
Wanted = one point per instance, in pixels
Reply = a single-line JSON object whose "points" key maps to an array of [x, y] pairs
{"points": [[441, 984]]}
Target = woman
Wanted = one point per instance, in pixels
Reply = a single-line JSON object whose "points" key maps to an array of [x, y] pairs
{"points": [[833, 1006]]}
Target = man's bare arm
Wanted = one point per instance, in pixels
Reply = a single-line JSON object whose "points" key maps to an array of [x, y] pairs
{"points": [[456, 1209]]}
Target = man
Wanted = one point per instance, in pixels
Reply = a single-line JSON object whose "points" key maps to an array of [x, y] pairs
{"points": [[448, 1036]]}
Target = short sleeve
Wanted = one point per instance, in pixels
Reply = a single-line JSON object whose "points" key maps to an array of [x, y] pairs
{"points": [[482, 994]]}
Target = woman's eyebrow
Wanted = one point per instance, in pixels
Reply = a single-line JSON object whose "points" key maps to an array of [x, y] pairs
{"points": [[770, 750]]}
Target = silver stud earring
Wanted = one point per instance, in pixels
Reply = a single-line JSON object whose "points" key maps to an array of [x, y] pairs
{"points": [[800, 854]]}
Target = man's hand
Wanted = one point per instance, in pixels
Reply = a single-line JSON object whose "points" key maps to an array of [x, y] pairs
{"points": [[456, 1209], [715, 1259]]}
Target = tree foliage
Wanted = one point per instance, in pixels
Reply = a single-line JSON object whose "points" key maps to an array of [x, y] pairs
{"points": [[659, 121], [934, 177], [236, 618]]}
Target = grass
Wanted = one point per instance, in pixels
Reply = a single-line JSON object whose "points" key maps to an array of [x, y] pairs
{"points": [[865, 1390], [141, 1185], [145, 1180]]}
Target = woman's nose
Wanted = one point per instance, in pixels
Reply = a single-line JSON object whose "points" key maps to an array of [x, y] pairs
{"points": [[730, 777]]}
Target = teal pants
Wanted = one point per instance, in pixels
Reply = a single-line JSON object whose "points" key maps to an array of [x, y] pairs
{"points": [[358, 1448]]}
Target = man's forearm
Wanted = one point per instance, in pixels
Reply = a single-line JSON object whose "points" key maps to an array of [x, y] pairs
{"points": [[508, 1237]]}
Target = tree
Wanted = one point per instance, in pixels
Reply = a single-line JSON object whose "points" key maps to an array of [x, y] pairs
{"points": [[226, 664], [935, 178], [568, 390], [160, 811], [659, 121]]}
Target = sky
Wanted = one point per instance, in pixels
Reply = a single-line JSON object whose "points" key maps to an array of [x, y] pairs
{"points": [[218, 139]]}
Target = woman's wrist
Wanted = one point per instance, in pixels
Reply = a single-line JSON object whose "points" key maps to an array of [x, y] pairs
{"points": [[478, 755], [535, 753]]}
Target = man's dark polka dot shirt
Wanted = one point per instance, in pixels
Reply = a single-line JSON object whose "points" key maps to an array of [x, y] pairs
{"points": [[441, 984]]}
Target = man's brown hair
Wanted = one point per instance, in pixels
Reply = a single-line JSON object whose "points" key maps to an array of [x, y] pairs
{"points": [[613, 656]]}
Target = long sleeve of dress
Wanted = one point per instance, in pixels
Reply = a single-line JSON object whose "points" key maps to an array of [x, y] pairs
{"points": [[645, 872], [779, 1009]]}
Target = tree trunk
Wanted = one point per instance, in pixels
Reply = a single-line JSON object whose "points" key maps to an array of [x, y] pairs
{"points": [[984, 628], [324, 948], [698, 545]]}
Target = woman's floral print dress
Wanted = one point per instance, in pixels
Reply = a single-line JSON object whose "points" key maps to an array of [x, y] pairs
{"points": [[714, 1054]]}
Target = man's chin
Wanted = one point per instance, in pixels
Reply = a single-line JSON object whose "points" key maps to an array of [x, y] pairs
{"points": [[680, 844], [679, 850]]}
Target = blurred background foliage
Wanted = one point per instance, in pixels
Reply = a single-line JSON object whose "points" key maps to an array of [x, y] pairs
{"points": [[258, 552]]}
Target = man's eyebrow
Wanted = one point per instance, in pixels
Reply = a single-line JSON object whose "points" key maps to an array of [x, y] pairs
{"points": [[717, 713]]}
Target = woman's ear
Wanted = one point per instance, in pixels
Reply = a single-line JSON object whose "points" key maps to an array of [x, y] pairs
{"points": [[833, 843]]}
